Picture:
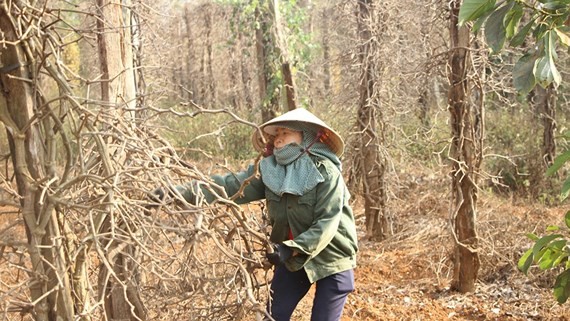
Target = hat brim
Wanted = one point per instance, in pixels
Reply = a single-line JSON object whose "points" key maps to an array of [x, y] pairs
{"points": [[264, 133]]}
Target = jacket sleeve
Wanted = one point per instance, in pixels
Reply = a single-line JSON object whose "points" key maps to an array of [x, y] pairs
{"points": [[328, 211], [230, 183]]}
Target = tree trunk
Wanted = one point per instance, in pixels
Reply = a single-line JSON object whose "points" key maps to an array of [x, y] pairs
{"points": [[265, 51], [371, 160], [326, 52], [116, 55], [289, 86], [118, 89], [465, 153], [189, 82], [423, 99], [33, 160], [283, 53], [209, 75], [546, 103], [246, 78]]}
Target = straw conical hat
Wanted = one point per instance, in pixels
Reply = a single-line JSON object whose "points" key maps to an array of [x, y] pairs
{"points": [[301, 115]]}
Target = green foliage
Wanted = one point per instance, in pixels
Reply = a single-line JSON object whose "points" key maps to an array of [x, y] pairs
{"points": [[300, 46], [558, 163], [546, 24], [495, 33], [473, 9], [523, 72], [551, 252]]}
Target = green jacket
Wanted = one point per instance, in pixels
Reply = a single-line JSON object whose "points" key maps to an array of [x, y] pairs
{"points": [[321, 221]]}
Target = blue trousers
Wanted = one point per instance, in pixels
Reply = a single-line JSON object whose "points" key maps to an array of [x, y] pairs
{"points": [[288, 288]]}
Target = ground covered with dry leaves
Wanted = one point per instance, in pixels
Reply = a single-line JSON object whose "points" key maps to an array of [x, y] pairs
{"points": [[407, 277]]}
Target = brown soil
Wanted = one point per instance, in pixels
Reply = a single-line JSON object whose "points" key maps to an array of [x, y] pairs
{"points": [[407, 276]]}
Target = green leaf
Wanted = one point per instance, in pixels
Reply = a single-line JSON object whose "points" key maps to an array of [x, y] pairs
{"points": [[562, 257], [523, 75], [540, 30], [554, 5], [541, 255], [512, 19], [473, 9], [567, 219], [525, 261], [552, 228], [519, 38], [558, 162], [564, 38], [556, 255], [562, 287], [548, 259], [545, 69], [537, 249], [532, 236], [480, 21], [495, 31], [558, 245]]}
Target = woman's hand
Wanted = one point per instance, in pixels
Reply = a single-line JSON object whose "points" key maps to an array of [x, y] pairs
{"points": [[281, 253]]}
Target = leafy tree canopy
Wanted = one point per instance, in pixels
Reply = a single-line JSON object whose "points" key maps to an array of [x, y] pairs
{"points": [[514, 22]]}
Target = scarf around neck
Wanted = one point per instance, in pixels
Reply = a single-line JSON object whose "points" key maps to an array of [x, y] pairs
{"points": [[291, 170]]}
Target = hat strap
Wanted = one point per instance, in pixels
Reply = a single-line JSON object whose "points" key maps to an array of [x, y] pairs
{"points": [[320, 133]]}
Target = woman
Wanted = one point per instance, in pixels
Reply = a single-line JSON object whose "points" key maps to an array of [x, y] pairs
{"points": [[313, 225]]}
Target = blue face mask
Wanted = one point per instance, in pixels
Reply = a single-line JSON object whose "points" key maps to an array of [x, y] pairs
{"points": [[294, 172], [288, 153]]}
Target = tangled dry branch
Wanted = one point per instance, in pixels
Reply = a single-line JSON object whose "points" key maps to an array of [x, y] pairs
{"points": [[83, 212]]}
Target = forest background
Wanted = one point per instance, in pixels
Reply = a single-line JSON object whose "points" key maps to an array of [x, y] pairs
{"points": [[104, 101]]}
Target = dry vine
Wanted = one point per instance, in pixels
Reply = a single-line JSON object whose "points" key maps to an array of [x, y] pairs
{"points": [[86, 203]]}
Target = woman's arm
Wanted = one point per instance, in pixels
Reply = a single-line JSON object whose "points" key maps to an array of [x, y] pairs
{"points": [[231, 183]]}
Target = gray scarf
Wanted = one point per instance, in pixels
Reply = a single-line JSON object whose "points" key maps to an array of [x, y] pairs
{"points": [[290, 169]]}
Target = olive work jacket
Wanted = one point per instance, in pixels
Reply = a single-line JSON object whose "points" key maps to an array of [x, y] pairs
{"points": [[321, 221]]}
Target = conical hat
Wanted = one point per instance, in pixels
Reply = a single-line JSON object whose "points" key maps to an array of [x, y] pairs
{"points": [[301, 115]]}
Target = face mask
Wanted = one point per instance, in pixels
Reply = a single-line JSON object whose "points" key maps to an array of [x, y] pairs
{"points": [[287, 154]]}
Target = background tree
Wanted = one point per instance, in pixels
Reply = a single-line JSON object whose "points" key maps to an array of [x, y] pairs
{"points": [[119, 287], [548, 25], [267, 55], [82, 171], [33, 156], [465, 154], [371, 162], [205, 261]]}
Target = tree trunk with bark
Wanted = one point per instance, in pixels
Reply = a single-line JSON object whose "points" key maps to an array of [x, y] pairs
{"points": [[33, 158], [283, 56], [191, 91], [545, 101], [210, 87], [325, 44], [118, 286], [266, 52], [372, 162], [465, 154]]}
